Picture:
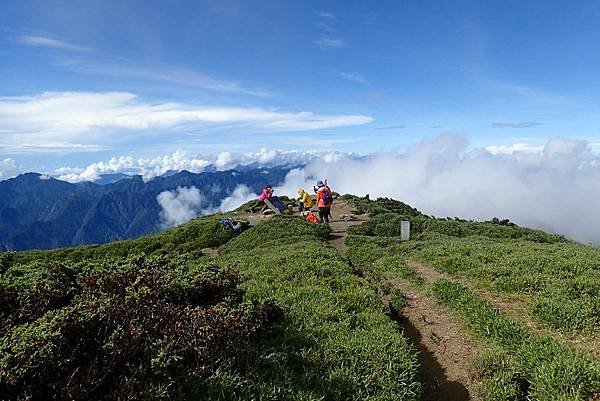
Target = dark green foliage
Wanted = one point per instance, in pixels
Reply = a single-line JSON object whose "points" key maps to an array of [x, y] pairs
{"points": [[137, 332], [6, 259], [379, 206], [388, 224]]}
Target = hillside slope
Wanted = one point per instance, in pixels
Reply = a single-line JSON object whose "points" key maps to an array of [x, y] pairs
{"points": [[464, 310]]}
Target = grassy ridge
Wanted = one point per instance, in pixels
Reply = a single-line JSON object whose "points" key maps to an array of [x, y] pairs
{"points": [[336, 341], [153, 318], [562, 280], [560, 277], [189, 239]]}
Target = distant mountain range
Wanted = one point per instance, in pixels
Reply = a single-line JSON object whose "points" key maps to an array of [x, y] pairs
{"points": [[37, 211]]}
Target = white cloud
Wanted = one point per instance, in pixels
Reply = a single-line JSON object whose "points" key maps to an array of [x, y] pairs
{"points": [[179, 206], [226, 161], [515, 147], [354, 77], [327, 15], [556, 188], [43, 41], [8, 169], [240, 195], [147, 167], [331, 42], [88, 120]]}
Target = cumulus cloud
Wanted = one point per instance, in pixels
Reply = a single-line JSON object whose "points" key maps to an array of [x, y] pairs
{"points": [[555, 189], [515, 147], [179, 206], [8, 169], [226, 161], [90, 120], [148, 168]]}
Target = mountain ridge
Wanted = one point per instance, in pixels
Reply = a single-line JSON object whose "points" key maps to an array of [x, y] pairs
{"points": [[41, 212]]}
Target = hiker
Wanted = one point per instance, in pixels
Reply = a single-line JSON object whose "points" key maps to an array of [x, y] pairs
{"points": [[304, 200], [324, 201], [316, 189], [266, 194]]}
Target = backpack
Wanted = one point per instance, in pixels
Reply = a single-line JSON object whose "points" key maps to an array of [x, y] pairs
{"points": [[230, 225], [311, 218], [327, 197]]}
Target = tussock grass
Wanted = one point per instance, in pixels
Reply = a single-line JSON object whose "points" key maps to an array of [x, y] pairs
{"points": [[520, 365]]}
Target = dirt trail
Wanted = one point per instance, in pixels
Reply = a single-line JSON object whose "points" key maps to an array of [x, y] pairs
{"points": [[513, 308], [339, 226], [445, 351]]}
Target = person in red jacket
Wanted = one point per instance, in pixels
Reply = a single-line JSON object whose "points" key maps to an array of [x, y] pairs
{"points": [[324, 201]]}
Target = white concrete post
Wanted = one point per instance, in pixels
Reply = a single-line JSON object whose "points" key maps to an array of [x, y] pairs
{"points": [[405, 230]]}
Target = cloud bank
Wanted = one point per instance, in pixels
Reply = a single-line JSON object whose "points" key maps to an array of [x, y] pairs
{"points": [[556, 189], [149, 168], [56, 121], [240, 195], [8, 168], [184, 203], [179, 206]]}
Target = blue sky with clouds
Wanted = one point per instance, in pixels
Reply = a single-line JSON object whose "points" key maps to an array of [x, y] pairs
{"points": [[85, 81]]}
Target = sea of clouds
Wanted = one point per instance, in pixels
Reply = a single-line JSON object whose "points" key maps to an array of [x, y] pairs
{"points": [[555, 189]]}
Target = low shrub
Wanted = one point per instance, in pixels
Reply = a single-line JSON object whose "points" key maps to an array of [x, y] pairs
{"points": [[135, 333]]}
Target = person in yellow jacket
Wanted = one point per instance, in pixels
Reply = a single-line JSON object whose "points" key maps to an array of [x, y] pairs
{"points": [[304, 199]]}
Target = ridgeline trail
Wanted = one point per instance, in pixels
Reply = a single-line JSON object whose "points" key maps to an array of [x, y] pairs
{"points": [[445, 349]]}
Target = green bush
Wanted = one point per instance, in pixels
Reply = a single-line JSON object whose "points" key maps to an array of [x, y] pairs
{"points": [[134, 333]]}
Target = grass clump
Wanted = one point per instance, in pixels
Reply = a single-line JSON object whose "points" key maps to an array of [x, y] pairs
{"points": [[521, 366], [562, 279]]}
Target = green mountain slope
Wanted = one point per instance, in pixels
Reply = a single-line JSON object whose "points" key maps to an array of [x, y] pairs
{"points": [[278, 314]]}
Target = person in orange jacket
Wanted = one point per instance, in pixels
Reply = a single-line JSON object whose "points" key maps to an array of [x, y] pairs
{"points": [[324, 201]]}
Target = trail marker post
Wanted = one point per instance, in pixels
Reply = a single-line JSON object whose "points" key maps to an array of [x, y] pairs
{"points": [[405, 230]]}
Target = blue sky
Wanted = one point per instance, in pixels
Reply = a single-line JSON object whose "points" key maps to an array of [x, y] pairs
{"points": [[84, 81]]}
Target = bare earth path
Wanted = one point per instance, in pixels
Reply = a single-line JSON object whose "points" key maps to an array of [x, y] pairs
{"points": [[339, 226], [445, 350]]}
